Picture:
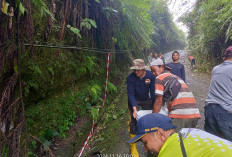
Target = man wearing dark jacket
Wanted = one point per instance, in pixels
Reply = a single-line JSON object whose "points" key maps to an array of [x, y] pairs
{"points": [[141, 94], [176, 67]]}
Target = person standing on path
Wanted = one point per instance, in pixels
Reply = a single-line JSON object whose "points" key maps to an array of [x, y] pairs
{"points": [[149, 58], [183, 109], [218, 109], [141, 95], [157, 133], [176, 67], [155, 56], [192, 60], [162, 57]]}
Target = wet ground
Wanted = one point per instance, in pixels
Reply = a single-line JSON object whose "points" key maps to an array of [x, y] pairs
{"points": [[198, 84]]}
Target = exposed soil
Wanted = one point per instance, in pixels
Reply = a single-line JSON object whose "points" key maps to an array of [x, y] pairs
{"points": [[67, 147]]}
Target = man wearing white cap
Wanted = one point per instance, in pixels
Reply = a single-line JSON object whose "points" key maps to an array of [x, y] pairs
{"points": [[182, 106], [141, 94]]}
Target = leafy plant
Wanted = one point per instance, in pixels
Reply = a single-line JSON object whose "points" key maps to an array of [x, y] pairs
{"points": [[42, 8], [75, 30], [22, 9], [111, 87], [88, 23], [4, 7], [94, 91], [94, 113]]}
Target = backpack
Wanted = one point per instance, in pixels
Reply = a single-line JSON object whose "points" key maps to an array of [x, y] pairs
{"points": [[171, 89]]}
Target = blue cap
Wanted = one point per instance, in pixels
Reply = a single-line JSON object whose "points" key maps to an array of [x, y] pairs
{"points": [[150, 123]]}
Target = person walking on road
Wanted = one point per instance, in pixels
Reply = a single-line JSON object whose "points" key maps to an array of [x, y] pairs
{"points": [[141, 95], [157, 133], [183, 109], [218, 109], [176, 67]]}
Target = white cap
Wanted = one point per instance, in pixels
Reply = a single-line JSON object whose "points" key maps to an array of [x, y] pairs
{"points": [[157, 61]]}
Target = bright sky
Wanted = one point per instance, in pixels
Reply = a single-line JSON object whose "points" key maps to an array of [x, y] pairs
{"points": [[178, 8]]}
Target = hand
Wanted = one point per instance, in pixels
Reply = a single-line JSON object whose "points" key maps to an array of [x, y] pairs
{"points": [[135, 112]]}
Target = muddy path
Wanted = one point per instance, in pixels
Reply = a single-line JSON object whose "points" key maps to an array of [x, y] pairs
{"points": [[198, 83]]}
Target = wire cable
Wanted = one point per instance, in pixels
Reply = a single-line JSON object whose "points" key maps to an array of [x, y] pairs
{"points": [[80, 48]]}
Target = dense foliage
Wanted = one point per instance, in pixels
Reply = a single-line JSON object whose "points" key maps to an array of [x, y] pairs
{"points": [[166, 36], [210, 29], [61, 84]]}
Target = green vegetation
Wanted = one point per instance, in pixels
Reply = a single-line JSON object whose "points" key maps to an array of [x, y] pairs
{"points": [[166, 35], [210, 30], [115, 116], [62, 85]]}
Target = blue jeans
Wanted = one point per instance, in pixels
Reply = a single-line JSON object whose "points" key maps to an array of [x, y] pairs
{"points": [[218, 121]]}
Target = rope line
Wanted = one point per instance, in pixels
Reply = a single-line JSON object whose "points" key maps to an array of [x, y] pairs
{"points": [[103, 104], [74, 47]]}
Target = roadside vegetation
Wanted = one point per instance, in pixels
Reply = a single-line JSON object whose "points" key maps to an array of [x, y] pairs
{"points": [[57, 68], [210, 31]]}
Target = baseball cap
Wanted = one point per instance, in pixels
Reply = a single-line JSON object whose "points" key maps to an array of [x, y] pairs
{"points": [[157, 61], [228, 52], [150, 123], [138, 64]]}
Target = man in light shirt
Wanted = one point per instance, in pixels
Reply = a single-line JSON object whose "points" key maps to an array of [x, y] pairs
{"points": [[218, 109]]}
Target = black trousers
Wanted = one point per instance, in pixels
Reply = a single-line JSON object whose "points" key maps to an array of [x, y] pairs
{"points": [[193, 63], [218, 121], [140, 105]]}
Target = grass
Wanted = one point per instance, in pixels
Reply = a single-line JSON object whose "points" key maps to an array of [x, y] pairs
{"points": [[114, 120]]}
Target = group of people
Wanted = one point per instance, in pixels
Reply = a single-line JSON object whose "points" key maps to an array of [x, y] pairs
{"points": [[146, 91]]}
